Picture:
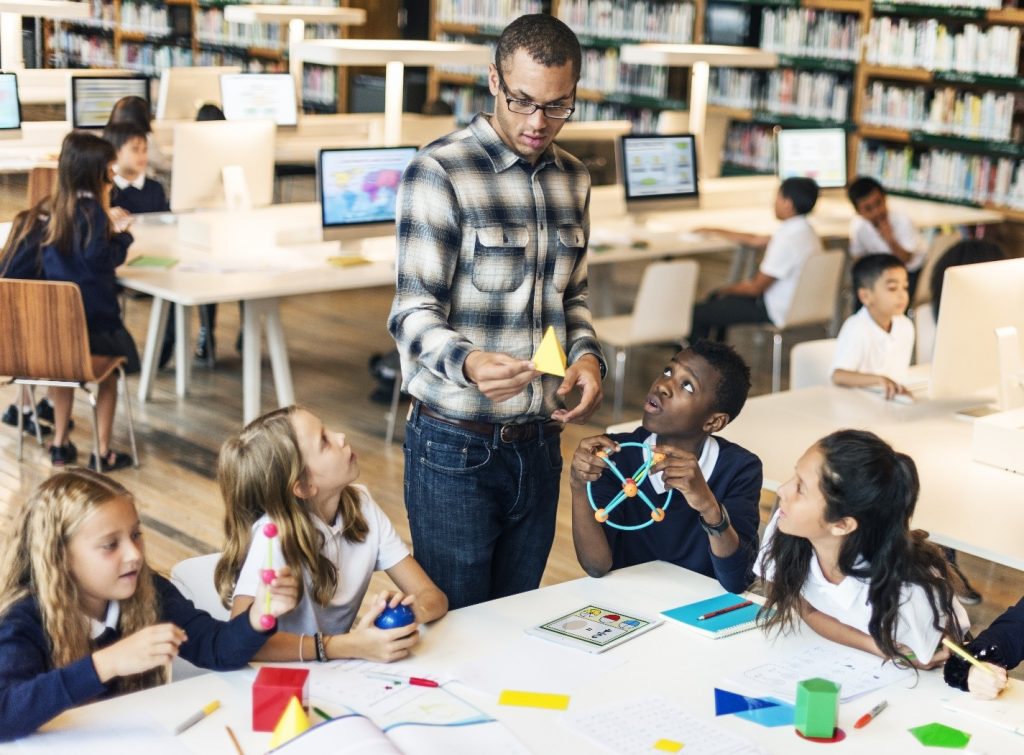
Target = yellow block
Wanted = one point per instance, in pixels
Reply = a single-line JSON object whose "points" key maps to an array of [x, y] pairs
{"points": [[533, 699], [293, 722], [550, 358], [668, 745]]}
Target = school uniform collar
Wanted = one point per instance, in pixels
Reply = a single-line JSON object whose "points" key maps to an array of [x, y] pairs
{"points": [[846, 593], [330, 530], [96, 628], [706, 461], [874, 326], [500, 154], [123, 183]]}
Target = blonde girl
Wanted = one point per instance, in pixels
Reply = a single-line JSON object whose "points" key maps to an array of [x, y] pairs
{"points": [[83, 617], [287, 468]]}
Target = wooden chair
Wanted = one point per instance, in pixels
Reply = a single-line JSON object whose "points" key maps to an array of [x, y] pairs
{"points": [[45, 342]]}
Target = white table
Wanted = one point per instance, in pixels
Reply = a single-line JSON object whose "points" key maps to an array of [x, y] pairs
{"points": [[964, 504], [394, 55], [258, 275], [669, 661]]}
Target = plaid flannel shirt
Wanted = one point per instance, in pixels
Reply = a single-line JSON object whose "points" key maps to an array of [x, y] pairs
{"points": [[491, 251]]}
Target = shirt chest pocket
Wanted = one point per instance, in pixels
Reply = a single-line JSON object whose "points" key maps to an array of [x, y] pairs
{"points": [[570, 247], [499, 257]]}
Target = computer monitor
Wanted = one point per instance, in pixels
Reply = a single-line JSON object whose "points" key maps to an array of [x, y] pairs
{"points": [[595, 143], [357, 189], [727, 24], [246, 96], [659, 172], [93, 97], [201, 152], [10, 107], [184, 90], [818, 153], [972, 360]]}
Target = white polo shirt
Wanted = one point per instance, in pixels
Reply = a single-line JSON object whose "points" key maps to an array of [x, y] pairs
{"points": [[790, 246], [865, 239], [848, 602], [356, 563], [862, 346]]}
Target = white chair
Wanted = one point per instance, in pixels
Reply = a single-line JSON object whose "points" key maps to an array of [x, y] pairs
{"points": [[810, 363], [662, 313], [194, 578], [814, 302], [924, 330]]}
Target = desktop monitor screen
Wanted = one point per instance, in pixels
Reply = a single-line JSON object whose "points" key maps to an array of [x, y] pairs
{"points": [[201, 152], [248, 96], [93, 97], [659, 172], [184, 90], [10, 105], [727, 24], [976, 300], [358, 188], [818, 153]]}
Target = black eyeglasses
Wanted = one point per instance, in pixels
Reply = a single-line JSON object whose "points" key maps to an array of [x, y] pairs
{"points": [[529, 107]]}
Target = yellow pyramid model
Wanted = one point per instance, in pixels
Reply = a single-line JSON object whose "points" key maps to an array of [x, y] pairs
{"points": [[293, 722], [549, 357]]}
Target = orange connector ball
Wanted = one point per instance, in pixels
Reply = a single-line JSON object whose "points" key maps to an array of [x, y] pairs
{"points": [[657, 515], [602, 453], [629, 487], [601, 516], [658, 457]]}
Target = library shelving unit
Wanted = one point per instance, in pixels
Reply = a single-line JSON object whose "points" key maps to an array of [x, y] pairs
{"points": [[150, 35], [609, 89]]}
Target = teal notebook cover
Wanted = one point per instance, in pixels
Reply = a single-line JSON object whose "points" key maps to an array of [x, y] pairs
{"points": [[733, 622]]}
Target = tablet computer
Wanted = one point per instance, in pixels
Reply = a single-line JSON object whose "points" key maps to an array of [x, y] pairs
{"points": [[594, 629]]}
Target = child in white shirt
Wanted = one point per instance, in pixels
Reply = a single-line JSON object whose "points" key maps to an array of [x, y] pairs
{"points": [[876, 229], [875, 344], [839, 554], [286, 468], [768, 295]]}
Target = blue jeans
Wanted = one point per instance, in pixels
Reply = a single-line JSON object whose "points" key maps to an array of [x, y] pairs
{"points": [[481, 511]]}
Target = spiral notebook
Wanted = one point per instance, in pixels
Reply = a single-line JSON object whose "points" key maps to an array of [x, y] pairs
{"points": [[723, 625]]}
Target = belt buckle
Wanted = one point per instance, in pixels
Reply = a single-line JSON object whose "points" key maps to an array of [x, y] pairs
{"points": [[508, 433]]}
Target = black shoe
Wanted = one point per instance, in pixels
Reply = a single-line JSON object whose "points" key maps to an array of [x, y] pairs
{"points": [[206, 346], [28, 424], [44, 413], [61, 456], [114, 460]]}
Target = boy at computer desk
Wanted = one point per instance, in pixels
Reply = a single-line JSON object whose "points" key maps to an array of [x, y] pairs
{"points": [[133, 190], [705, 489], [767, 296], [875, 344]]}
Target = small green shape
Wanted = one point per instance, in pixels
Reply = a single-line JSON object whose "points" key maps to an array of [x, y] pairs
{"points": [[940, 735], [817, 708]]}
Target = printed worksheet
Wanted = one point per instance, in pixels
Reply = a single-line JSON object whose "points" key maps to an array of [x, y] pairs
{"points": [[646, 725], [855, 672]]}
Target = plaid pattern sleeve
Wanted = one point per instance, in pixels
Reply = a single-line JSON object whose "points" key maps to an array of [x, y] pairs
{"points": [[491, 251]]}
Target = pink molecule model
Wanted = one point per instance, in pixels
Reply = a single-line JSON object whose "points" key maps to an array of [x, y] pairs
{"points": [[268, 575]]}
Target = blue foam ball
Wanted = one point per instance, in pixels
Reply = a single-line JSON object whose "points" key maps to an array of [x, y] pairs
{"points": [[392, 618]]}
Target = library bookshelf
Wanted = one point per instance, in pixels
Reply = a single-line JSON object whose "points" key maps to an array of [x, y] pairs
{"points": [[150, 35], [942, 122]]}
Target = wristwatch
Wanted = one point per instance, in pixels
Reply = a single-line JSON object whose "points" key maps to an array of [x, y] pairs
{"points": [[717, 529]]}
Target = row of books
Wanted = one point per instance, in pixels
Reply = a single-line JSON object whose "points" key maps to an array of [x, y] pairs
{"points": [[929, 44], [751, 146], [974, 115], [320, 84], [210, 26], [810, 32], [151, 59], [223, 58], [641, 20], [945, 174], [74, 47], [982, 4], [468, 70], [603, 71], [808, 94], [484, 12], [147, 18]]}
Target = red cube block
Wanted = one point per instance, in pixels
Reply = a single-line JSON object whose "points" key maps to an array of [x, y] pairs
{"points": [[273, 690]]}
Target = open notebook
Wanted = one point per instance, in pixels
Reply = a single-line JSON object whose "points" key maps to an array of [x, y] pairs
{"points": [[723, 625]]}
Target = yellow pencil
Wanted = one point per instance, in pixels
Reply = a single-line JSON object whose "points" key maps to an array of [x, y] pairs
{"points": [[966, 656]]}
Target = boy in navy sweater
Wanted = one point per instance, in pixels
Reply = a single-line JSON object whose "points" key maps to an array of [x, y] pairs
{"points": [[133, 190], [711, 523]]}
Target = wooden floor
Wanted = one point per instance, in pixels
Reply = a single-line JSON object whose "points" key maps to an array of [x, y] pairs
{"points": [[330, 339]]}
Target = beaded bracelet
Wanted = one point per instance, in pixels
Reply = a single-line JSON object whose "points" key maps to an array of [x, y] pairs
{"points": [[321, 652]]}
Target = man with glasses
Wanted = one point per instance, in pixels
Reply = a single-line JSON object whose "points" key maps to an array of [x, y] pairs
{"points": [[492, 236]]}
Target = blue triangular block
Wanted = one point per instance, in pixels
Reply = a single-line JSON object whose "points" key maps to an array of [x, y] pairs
{"points": [[730, 702]]}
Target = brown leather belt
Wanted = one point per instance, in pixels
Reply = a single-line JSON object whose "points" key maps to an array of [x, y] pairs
{"points": [[508, 433]]}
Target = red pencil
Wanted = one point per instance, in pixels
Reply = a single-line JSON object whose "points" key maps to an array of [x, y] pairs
{"points": [[418, 681], [727, 609]]}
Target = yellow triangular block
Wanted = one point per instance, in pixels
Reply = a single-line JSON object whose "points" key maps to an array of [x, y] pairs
{"points": [[549, 357], [293, 722]]}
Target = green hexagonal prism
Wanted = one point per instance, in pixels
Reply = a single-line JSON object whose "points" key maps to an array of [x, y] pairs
{"points": [[817, 708]]}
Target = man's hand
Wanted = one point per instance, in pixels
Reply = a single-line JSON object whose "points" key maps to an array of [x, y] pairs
{"points": [[584, 373], [498, 376]]}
